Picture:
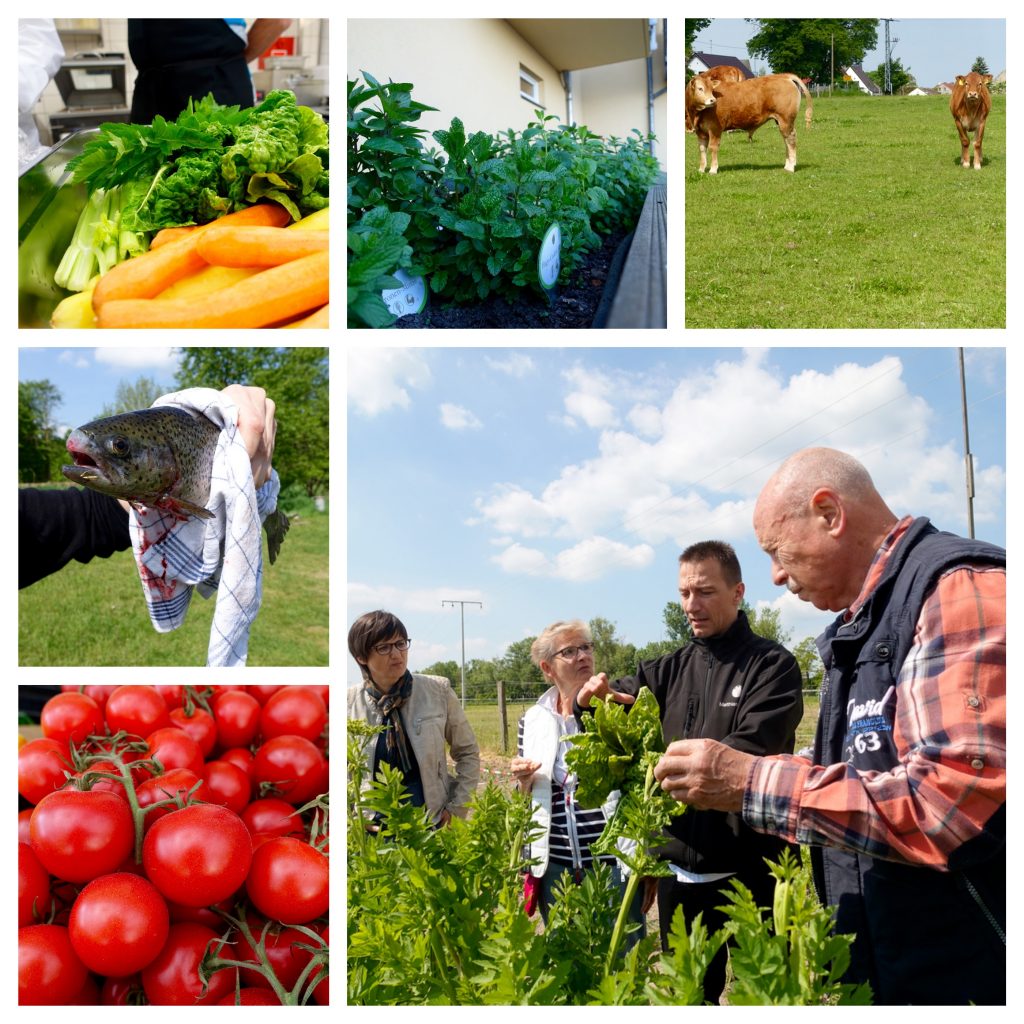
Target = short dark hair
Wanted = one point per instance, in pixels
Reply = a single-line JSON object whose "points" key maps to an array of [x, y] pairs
{"points": [[371, 629], [718, 551]]}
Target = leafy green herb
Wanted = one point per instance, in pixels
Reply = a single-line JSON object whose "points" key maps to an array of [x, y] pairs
{"points": [[212, 160]]}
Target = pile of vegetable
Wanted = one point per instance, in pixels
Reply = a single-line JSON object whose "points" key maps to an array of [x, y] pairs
{"points": [[174, 847], [211, 164]]}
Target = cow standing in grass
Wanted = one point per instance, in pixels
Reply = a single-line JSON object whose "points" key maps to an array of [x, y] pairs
{"points": [[722, 73], [718, 107], [970, 104]]}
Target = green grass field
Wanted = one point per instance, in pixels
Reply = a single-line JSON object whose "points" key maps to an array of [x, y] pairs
{"points": [[95, 614], [879, 227]]}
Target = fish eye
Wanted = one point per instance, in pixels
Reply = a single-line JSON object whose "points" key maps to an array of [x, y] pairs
{"points": [[119, 445]]}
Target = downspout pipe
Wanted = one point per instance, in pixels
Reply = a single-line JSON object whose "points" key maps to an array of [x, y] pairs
{"points": [[567, 85]]}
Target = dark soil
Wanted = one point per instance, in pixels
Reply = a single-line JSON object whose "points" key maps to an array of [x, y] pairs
{"points": [[575, 304]]}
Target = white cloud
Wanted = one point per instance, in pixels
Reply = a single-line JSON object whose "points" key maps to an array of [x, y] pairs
{"points": [[74, 357], [364, 597], [515, 364], [455, 417], [589, 560], [138, 358], [379, 379], [697, 458]]}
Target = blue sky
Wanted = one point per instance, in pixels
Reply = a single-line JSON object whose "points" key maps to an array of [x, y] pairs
{"points": [[934, 49], [554, 483], [87, 378]]}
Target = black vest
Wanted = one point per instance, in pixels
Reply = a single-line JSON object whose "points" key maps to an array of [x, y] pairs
{"points": [[923, 936]]}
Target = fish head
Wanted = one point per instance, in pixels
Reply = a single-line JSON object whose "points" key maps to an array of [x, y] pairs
{"points": [[121, 456]]}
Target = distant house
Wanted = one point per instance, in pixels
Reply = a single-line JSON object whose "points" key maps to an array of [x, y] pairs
{"points": [[702, 62], [944, 88], [918, 91], [856, 74]]}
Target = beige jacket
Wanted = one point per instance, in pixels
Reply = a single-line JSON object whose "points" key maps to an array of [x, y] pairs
{"points": [[433, 719]]}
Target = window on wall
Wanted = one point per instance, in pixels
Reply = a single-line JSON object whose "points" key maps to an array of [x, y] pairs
{"points": [[529, 86]]}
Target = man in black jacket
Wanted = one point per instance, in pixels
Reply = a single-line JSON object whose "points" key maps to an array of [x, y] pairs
{"points": [[731, 685]]}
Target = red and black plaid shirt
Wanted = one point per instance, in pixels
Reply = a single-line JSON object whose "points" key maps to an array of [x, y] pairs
{"points": [[949, 731]]}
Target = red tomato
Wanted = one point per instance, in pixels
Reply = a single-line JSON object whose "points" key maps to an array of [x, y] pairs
{"points": [[227, 785], [263, 691], [118, 924], [286, 959], [105, 785], [49, 972], [70, 718], [172, 979], [199, 855], [24, 817], [173, 696], [80, 836], [175, 748], [41, 766], [176, 782], [272, 816], [292, 767], [294, 711], [237, 716], [240, 756], [289, 881], [34, 900], [98, 693], [199, 725], [139, 710], [251, 997], [121, 991]]}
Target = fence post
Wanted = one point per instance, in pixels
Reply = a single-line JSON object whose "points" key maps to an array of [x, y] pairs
{"points": [[503, 715]]}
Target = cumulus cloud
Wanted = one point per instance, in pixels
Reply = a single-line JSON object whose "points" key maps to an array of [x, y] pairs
{"points": [[455, 417], [381, 379], [697, 456], [589, 560], [364, 597], [138, 358], [515, 364]]}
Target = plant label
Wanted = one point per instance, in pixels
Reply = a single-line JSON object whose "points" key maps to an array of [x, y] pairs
{"points": [[549, 259], [409, 299]]}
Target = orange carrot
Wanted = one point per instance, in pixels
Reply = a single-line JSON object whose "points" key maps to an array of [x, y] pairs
{"points": [[317, 319], [165, 235], [268, 297], [148, 274], [229, 246]]}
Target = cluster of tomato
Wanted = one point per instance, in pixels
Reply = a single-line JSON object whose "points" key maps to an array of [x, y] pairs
{"points": [[176, 847]]}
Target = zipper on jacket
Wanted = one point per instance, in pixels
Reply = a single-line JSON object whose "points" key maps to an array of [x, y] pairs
{"points": [[570, 826], [989, 916]]}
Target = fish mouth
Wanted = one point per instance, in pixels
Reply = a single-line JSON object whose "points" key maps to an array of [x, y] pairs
{"points": [[85, 468]]}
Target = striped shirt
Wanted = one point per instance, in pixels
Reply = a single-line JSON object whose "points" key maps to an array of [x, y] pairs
{"points": [[573, 828], [949, 732]]}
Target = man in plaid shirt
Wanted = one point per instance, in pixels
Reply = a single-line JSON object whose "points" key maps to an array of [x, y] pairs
{"points": [[904, 801]]}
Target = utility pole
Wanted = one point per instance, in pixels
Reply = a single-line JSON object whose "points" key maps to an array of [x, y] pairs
{"points": [[462, 611], [889, 44], [968, 458]]}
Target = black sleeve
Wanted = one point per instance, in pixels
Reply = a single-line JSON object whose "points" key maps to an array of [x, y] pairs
{"points": [[56, 526], [771, 710]]}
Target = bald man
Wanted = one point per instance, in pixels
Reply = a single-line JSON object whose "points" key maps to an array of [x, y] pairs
{"points": [[904, 802]]}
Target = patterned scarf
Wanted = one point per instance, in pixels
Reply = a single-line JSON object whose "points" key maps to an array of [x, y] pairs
{"points": [[388, 705]]}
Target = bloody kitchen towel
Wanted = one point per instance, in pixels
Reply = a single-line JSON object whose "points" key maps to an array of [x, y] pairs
{"points": [[222, 555]]}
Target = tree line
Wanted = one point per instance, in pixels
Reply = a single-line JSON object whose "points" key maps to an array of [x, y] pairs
{"points": [[295, 378], [612, 654]]}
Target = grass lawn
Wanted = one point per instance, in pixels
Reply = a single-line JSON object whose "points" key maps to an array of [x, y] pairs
{"points": [[879, 227], [95, 614]]}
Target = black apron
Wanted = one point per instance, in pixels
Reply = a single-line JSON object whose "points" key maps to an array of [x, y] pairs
{"points": [[182, 58]]}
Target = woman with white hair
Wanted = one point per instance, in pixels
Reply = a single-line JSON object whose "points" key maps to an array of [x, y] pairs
{"points": [[564, 652]]}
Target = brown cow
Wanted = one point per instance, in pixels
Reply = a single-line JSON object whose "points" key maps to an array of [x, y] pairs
{"points": [[969, 105], [723, 73], [744, 106]]}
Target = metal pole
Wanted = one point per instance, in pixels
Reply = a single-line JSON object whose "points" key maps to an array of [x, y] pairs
{"points": [[968, 458], [462, 609]]}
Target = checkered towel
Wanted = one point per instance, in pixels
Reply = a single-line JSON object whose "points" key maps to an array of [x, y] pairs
{"points": [[222, 555]]}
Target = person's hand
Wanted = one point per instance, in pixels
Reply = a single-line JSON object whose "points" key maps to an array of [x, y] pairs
{"points": [[257, 427], [523, 771], [444, 819], [706, 774], [597, 686]]}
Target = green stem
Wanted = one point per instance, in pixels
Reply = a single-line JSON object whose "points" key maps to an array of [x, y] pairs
{"points": [[632, 884]]}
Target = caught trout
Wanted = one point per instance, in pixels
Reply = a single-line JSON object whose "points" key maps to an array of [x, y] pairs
{"points": [[161, 457]]}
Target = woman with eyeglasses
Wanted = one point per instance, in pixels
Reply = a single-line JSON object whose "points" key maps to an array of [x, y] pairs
{"points": [[421, 717], [564, 652]]}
